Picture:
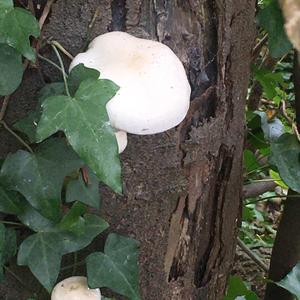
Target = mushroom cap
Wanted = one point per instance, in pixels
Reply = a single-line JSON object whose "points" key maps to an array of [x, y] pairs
{"points": [[154, 93], [121, 137], [75, 288]]}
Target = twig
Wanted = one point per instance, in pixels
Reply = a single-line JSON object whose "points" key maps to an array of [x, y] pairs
{"points": [[256, 50], [285, 114], [4, 107], [50, 62], [63, 69], [258, 188], [252, 255], [16, 136], [62, 49], [45, 13]]}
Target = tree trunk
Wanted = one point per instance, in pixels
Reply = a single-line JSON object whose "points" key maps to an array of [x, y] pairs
{"points": [[182, 189]]}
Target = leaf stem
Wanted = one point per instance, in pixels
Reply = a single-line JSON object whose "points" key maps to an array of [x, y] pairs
{"points": [[271, 197], [63, 69], [4, 107], [80, 263], [75, 263], [62, 49], [12, 223], [16, 136], [50, 62]]}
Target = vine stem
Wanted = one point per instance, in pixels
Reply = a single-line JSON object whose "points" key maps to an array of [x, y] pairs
{"points": [[63, 69], [4, 107], [11, 223], [50, 62], [62, 49], [271, 197], [252, 255], [16, 136], [80, 263]]}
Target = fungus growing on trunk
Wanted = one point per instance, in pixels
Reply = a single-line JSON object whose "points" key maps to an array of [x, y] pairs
{"points": [[154, 92], [75, 288]]}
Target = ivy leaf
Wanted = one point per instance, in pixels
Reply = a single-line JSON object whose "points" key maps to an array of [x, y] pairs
{"points": [[42, 254], [93, 226], [271, 19], [78, 74], [85, 122], [28, 124], [10, 202], [285, 156], [116, 268], [34, 220], [73, 220], [237, 290], [8, 246], [291, 282], [39, 176], [16, 26], [87, 193], [11, 69]]}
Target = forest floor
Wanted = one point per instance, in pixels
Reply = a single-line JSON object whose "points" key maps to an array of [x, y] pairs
{"points": [[244, 266]]}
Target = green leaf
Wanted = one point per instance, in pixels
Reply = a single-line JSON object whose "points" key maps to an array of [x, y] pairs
{"points": [[116, 268], [39, 176], [73, 220], [28, 125], [78, 74], [291, 282], [10, 245], [270, 81], [93, 226], [16, 26], [50, 89], [11, 70], [34, 220], [78, 190], [250, 161], [277, 179], [42, 254], [237, 290], [85, 122], [271, 19], [285, 156], [10, 202]]}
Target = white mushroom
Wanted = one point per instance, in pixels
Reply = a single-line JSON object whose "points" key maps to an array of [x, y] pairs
{"points": [[154, 93], [121, 137], [75, 288]]}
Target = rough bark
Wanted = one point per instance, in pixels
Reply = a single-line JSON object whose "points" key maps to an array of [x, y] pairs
{"points": [[182, 189]]}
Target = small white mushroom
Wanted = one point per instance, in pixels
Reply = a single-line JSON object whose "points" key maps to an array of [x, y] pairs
{"points": [[121, 137], [154, 93], [75, 288]]}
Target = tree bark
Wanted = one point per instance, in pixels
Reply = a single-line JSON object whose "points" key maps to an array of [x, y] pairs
{"points": [[182, 189]]}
